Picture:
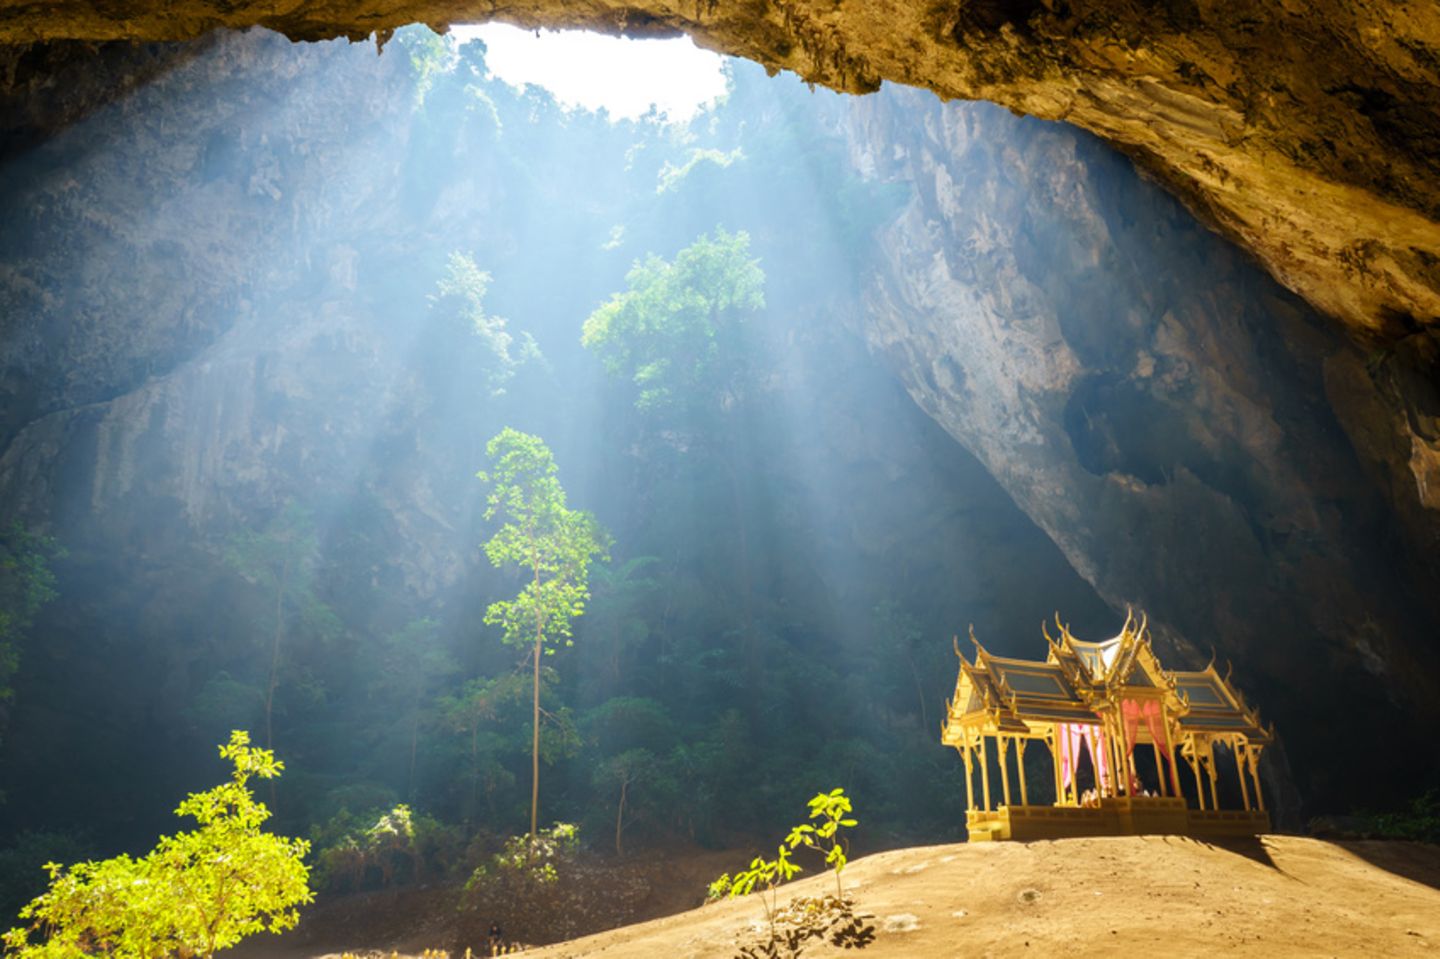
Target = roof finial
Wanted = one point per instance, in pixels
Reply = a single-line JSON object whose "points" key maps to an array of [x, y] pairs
{"points": [[955, 643]]}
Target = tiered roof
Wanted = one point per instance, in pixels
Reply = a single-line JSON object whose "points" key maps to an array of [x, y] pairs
{"points": [[997, 694]]}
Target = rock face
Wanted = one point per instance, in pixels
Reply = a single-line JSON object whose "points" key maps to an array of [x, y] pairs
{"points": [[1307, 133], [1158, 406], [1310, 133]]}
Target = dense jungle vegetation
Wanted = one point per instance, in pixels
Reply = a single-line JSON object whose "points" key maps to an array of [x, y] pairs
{"points": [[790, 543]]}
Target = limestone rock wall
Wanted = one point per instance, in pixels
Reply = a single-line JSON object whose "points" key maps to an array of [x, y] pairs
{"points": [[1310, 133], [1171, 417]]}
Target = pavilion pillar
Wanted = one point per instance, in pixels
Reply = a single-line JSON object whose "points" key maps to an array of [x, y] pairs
{"points": [[1119, 785], [1159, 769], [1003, 744], [1252, 759], [1236, 745], [969, 774], [1054, 743], [1170, 751], [1128, 748], [1020, 769], [1194, 761], [1210, 771], [985, 772]]}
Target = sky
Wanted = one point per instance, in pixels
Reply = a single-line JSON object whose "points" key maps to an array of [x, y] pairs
{"points": [[592, 70]]}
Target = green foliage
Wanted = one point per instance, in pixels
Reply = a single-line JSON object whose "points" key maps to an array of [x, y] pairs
{"points": [[643, 785], [1420, 821], [676, 320], [386, 848], [619, 615], [808, 918], [431, 55], [22, 865], [459, 297], [766, 875], [412, 665], [280, 561], [196, 893], [551, 543], [26, 585], [671, 176], [525, 864], [832, 810]]}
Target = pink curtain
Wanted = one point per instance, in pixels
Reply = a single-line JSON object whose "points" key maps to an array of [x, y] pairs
{"points": [[1134, 711], [1072, 737]]}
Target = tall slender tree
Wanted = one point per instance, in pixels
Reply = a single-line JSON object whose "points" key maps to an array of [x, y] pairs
{"points": [[552, 544]]}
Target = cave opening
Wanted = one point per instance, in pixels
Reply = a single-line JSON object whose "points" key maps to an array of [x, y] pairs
{"points": [[837, 376]]}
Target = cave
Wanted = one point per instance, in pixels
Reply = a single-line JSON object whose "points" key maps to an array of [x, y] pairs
{"points": [[1005, 309]]}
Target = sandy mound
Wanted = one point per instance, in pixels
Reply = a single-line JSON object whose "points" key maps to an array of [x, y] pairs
{"points": [[1275, 896]]}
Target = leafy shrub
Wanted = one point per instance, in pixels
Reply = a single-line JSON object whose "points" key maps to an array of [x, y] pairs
{"points": [[526, 864], [1420, 822], [806, 918], [385, 848], [197, 892]]}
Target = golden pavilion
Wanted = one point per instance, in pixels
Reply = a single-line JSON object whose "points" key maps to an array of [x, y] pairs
{"points": [[1110, 712]]}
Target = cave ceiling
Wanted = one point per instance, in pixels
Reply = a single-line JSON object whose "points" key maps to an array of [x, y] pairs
{"points": [[1309, 133]]}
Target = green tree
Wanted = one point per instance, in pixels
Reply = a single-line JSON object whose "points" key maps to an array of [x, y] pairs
{"points": [[552, 544], [618, 620], [680, 334], [196, 893], [280, 561], [459, 299], [677, 332], [466, 712], [412, 663], [26, 585], [626, 773]]}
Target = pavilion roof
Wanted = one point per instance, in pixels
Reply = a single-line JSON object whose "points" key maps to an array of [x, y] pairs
{"points": [[1217, 707], [1033, 690], [1000, 694], [977, 705]]}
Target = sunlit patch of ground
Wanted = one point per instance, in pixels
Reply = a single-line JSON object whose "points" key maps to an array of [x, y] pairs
{"points": [[1143, 897], [1277, 896]]}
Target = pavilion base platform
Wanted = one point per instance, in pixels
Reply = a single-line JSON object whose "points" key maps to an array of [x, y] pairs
{"points": [[1118, 816]]}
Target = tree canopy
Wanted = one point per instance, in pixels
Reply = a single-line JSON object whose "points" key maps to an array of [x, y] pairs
{"points": [[667, 331]]}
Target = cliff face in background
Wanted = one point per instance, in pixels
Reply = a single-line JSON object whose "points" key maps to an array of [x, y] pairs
{"points": [[1161, 408], [1309, 133], [182, 286]]}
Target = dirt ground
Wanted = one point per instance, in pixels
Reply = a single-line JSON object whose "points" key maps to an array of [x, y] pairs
{"points": [[1275, 896]]}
